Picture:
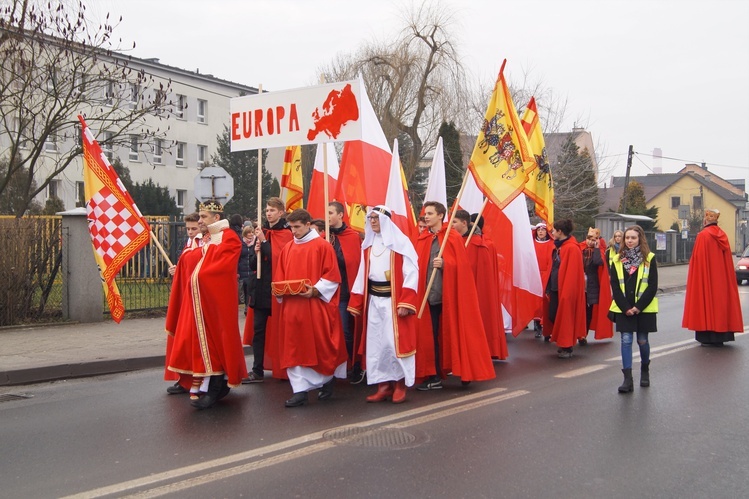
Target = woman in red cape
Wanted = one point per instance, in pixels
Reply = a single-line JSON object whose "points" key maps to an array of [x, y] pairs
{"points": [[544, 246]]}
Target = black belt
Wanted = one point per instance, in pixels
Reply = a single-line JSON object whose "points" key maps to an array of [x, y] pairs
{"points": [[380, 288]]}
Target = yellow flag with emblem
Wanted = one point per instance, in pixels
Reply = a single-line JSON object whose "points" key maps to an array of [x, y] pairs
{"points": [[291, 178], [539, 187]]}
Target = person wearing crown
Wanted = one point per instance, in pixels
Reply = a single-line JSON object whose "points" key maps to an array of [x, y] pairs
{"points": [[202, 313]]}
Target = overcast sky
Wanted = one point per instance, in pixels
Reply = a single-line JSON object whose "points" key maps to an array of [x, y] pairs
{"points": [[652, 73]]}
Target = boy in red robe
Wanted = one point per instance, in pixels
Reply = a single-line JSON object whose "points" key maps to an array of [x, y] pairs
{"points": [[482, 257], [711, 306], [207, 345], [451, 337], [566, 290], [544, 246], [312, 348]]}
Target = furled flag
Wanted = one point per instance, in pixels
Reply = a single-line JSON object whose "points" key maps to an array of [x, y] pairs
{"points": [[396, 198], [437, 186], [118, 229], [501, 161], [365, 164], [316, 201], [539, 186], [472, 199], [291, 178]]}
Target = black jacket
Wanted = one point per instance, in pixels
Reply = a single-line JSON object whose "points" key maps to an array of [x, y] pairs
{"points": [[260, 295]]}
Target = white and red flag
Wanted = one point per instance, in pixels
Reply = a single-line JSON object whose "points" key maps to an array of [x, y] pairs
{"points": [[316, 200], [118, 229], [437, 186], [397, 199]]}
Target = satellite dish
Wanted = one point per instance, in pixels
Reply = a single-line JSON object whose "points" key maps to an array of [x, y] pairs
{"points": [[214, 183]]}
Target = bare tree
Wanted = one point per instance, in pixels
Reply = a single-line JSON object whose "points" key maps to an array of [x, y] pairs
{"points": [[414, 83], [55, 63]]}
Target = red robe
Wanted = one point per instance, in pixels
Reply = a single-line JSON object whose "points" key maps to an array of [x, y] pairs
{"points": [[350, 242], [206, 336], [543, 255], [404, 328], [712, 298], [600, 322], [310, 333], [464, 350], [482, 256], [185, 266], [570, 324], [278, 241]]}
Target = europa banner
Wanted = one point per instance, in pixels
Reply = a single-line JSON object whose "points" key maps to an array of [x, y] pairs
{"points": [[310, 115]]}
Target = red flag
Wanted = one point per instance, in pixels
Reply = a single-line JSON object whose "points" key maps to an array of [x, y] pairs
{"points": [[118, 229]]}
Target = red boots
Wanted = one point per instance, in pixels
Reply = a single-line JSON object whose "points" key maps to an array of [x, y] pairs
{"points": [[399, 394], [390, 389]]}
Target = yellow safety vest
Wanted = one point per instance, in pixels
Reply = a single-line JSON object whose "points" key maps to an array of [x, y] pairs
{"points": [[642, 284]]}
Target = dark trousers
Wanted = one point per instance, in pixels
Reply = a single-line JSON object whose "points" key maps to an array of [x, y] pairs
{"points": [[589, 315], [259, 324], [348, 331], [435, 311]]}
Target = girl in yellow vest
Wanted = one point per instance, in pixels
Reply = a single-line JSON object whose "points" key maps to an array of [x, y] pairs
{"points": [[634, 283]]}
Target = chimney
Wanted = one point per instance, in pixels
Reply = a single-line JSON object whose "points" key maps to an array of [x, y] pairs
{"points": [[657, 160]]}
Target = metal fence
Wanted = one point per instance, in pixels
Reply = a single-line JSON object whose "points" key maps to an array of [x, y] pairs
{"points": [[31, 281]]}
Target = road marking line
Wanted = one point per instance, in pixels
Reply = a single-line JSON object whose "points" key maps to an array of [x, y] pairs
{"points": [[272, 448], [309, 450], [581, 371], [681, 349], [654, 349]]}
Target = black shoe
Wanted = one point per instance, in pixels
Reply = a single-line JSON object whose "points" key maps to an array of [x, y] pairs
{"points": [[253, 377], [326, 391], [538, 334], [175, 389], [212, 395], [565, 353], [224, 390], [297, 400], [582, 341], [465, 383], [358, 377], [433, 383], [547, 339]]}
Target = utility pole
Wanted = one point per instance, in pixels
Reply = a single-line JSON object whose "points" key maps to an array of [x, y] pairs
{"points": [[626, 178]]}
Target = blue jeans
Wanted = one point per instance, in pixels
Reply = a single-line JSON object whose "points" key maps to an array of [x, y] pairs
{"points": [[642, 342]]}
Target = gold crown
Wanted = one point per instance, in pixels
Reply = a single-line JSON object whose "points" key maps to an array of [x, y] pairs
{"points": [[212, 205]]}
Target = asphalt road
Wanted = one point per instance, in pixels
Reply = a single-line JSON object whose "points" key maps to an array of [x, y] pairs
{"points": [[546, 427]]}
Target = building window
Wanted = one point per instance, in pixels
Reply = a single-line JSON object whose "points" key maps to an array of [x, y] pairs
{"points": [[201, 110], [80, 84], [181, 106], [110, 93], [181, 195], [675, 202], [180, 161], [202, 153], [80, 194], [51, 143], [106, 145], [157, 150], [52, 80], [133, 148], [697, 202], [18, 134], [134, 95], [53, 189]]}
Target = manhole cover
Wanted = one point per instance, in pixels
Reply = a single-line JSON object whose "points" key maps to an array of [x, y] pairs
{"points": [[7, 397], [383, 438]]}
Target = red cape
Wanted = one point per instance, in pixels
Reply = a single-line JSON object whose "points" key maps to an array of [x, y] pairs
{"points": [[543, 255], [403, 327], [351, 247], [570, 323], [712, 298], [206, 340], [482, 256], [600, 322], [465, 351], [278, 241], [310, 333]]}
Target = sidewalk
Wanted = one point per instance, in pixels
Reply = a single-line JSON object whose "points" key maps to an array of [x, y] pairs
{"points": [[50, 352]]}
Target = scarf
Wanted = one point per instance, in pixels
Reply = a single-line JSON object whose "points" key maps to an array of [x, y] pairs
{"points": [[632, 259]]}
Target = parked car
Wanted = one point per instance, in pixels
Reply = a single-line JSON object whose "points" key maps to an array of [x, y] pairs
{"points": [[742, 267]]}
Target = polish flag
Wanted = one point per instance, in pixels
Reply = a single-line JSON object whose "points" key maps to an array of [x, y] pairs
{"points": [[396, 198], [316, 202], [365, 163], [509, 230], [437, 186], [472, 199]]}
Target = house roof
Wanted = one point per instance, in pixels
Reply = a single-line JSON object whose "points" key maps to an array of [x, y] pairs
{"points": [[656, 183]]}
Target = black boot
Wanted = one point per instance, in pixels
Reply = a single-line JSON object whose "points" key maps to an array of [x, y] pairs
{"points": [[628, 384], [212, 395], [297, 400], [327, 390], [645, 374]]}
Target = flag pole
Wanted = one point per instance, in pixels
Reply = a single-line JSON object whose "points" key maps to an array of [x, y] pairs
{"points": [[259, 191], [444, 243], [161, 248], [473, 229], [326, 194]]}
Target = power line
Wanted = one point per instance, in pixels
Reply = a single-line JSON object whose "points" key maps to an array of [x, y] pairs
{"points": [[692, 161]]}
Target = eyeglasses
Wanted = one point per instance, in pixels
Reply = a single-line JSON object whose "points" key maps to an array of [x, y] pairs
{"points": [[374, 218]]}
